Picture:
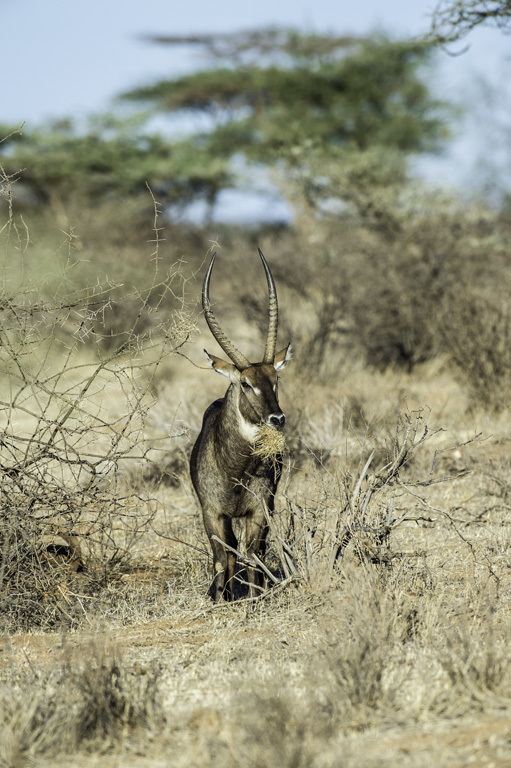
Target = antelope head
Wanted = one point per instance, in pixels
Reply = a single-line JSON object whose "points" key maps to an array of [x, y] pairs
{"points": [[254, 385]]}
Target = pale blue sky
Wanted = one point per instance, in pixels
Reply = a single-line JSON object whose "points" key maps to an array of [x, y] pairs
{"points": [[71, 57]]}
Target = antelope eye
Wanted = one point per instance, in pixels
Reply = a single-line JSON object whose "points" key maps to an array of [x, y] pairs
{"points": [[246, 386]]}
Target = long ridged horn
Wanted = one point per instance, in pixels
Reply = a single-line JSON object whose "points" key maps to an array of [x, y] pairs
{"points": [[271, 339], [239, 360]]}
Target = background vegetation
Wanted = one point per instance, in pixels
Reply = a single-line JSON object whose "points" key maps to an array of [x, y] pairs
{"points": [[385, 631]]}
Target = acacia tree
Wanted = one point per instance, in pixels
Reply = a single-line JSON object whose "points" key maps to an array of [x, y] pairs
{"points": [[110, 157], [275, 97]]}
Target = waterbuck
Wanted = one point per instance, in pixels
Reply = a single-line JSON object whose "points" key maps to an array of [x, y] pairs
{"points": [[230, 480]]}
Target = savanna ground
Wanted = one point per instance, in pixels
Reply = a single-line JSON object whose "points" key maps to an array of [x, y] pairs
{"points": [[383, 639]]}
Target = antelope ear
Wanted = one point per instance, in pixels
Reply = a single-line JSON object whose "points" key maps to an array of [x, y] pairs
{"points": [[282, 358], [222, 366]]}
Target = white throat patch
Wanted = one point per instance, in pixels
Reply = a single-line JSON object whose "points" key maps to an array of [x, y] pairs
{"points": [[248, 430]]}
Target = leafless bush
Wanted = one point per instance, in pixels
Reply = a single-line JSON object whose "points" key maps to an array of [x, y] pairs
{"points": [[359, 510], [170, 470], [71, 423], [398, 311], [478, 340], [346, 515], [374, 280]]}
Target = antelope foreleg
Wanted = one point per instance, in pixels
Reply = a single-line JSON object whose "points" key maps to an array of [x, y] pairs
{"points": [[257, 531], [224, 561]]}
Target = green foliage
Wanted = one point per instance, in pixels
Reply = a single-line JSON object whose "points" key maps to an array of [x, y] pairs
{"points": [[275, 97], [351, 95], [110, 158]]}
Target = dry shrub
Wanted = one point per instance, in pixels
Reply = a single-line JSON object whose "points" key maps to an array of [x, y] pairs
{"points": [[355, 509], [473, 651], [112, 696], [346, 512], [273, 730], [390, 647], [169, 469], [387, 281], [478, 340], [90, 701], [72, 422], [394, 313], [435, 247], [364, 653]]}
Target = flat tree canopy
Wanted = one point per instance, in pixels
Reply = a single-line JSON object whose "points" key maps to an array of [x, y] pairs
{"points": [[277, 98]]}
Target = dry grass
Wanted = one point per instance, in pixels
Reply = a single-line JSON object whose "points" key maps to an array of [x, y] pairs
{"points": [[373, 658], [270, 444], [383, 638]]}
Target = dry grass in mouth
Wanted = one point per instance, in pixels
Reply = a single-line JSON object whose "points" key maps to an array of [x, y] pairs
{"points": [[270, 443]]}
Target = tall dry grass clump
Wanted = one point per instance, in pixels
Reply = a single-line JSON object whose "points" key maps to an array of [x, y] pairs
{"points": [[91, 700]]}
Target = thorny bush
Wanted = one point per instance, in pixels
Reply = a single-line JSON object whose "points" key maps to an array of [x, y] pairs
{"points": [[71, 422]]}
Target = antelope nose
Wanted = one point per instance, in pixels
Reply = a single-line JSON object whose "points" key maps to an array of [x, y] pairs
{"points": [[277, 420]]}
